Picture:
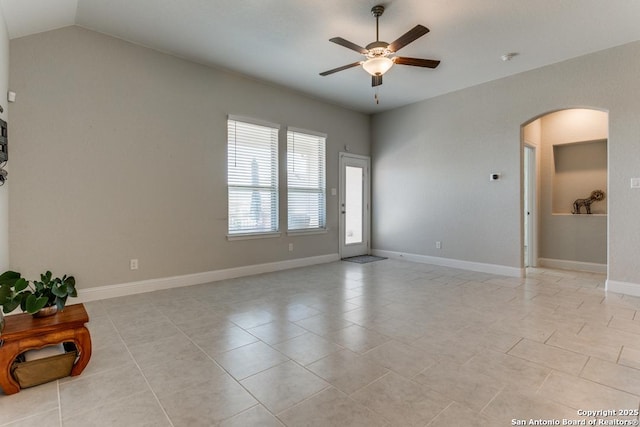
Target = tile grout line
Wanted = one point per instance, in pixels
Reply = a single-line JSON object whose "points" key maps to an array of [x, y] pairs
{"points": [[155, 396], [441, 412], [515, 345], [584, 367], [551, 336], [295, 404], [12, 422], [504, 386], [329, 386], [237, 381], [59, 402], [543, 382]]}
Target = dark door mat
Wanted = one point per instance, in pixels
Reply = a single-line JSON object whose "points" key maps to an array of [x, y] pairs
{"points": [[363, 259]]}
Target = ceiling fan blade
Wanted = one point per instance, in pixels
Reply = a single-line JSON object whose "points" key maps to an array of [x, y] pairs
{"points": [[344, 67], [376, 81], [349, 45], [411, 35], [416, 62]]}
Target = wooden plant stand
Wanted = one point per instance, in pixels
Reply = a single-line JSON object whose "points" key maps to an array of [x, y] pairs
{"points": [[24, 332]]}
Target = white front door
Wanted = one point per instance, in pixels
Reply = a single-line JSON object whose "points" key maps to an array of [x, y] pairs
{"points": [[354, 205]]}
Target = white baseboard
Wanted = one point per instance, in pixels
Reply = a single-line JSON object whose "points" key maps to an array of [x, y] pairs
{"points": [[627, 288], [563, 264], [132, 288], [502, 270]]}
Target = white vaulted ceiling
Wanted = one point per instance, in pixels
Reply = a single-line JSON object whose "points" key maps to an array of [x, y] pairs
{"points": [[286, 42]]}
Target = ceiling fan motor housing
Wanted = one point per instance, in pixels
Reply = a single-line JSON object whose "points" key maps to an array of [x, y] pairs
{"points": [[377, 10], [377, 49]]}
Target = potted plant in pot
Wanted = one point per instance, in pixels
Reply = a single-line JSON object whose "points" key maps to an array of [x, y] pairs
{"points": [[8, 279], [39, 298]]}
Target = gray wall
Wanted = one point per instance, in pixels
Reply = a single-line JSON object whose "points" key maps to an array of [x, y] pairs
{"points": [[119, 152], [4, 190], [431, 161]]}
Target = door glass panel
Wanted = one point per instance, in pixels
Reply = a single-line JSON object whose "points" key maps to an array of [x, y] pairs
{"points": [[353, 204]]}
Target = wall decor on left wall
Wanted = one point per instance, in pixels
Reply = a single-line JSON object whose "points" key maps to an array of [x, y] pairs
{"points": [[4, 149]]}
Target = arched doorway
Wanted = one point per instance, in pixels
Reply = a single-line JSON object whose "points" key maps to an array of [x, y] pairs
{"points": [[564, 156]]}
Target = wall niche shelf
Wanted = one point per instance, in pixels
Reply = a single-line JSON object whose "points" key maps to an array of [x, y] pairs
{"points": [[585, 215], [578, 169]]}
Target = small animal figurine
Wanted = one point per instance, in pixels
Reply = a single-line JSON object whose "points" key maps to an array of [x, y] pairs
{"points": [[596, 196]]}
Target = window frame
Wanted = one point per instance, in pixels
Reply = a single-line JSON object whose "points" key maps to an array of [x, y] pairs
{"points": [[274, 147], [321, 189]]}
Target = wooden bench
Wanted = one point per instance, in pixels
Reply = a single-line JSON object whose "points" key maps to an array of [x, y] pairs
{"points": [[24, 332]]}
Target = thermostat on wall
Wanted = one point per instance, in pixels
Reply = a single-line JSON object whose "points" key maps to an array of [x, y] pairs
{"points": [[494, 176]]}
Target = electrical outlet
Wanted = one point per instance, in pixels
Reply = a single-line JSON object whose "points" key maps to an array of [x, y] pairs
{"points": [[290, 247], [438, 245], [133, 264]]}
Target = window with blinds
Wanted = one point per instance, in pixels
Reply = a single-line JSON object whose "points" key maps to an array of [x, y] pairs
{"points": [[252, 176], [306, 187]]}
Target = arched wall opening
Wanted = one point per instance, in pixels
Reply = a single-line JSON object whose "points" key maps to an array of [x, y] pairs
{"points": [[565, 158]]}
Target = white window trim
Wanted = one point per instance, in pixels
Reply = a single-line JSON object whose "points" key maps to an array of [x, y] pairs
{"points": [[253, 121], [258, 235], [308, 132], [307, 231], [252, 236]]}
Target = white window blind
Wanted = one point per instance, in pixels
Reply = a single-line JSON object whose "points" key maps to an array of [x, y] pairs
{"points": [[252, 177], [306, 187]]}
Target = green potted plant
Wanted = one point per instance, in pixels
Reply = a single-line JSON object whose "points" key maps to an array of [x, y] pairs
{"points": [[43, 297], [7, 281]]}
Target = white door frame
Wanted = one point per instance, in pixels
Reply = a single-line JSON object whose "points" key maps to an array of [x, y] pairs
{"points": [[532, 203], [348, 159]]}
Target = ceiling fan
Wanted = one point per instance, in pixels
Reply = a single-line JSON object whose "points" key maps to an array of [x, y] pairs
{"points": [[380, 55]]}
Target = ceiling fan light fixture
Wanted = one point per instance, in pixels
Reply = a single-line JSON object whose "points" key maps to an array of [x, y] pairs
{"points": [[379, 56], [377, 66]]}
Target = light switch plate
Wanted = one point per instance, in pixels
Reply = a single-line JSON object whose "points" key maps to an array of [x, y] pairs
{"points": [[635, 182]]}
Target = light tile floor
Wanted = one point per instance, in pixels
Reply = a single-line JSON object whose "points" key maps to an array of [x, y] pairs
{"points": [[389, 343]]}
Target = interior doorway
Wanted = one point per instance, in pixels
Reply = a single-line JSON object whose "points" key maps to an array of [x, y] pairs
{"points": [[354, 205], [564, 158]]}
